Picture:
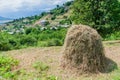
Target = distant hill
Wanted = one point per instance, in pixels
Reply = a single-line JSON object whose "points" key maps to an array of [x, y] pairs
{"points": [[3, 18], [57, 16]]}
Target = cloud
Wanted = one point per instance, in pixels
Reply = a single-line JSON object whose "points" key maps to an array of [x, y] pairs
{"points": [[14, 6]]}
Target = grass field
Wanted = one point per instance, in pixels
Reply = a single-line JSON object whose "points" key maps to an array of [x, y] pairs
{"points": [[37, 63]]}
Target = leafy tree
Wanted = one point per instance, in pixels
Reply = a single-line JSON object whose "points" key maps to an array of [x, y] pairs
{"points": [[28, 41], [53, 17], [58, 6], [103, 15], [69, 3], [28, 30]]}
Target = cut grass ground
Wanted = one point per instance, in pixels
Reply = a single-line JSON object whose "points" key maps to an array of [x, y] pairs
{"points": [[50, 57]]}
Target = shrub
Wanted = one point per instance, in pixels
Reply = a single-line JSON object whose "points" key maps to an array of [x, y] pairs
{"points": [[66, 21], [28, 41], [53, 17], [52, 77], [42, 43], [4, 46], [6, 65], [40, 66], [104, 18], [28, 30], [15, 43], [32, 37], [113, 36], [54, 42], [43, 37]]}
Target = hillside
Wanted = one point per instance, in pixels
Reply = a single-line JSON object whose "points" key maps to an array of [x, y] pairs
{"points": [[44, 30], [31, 48], [51, 57], [54, 17]]}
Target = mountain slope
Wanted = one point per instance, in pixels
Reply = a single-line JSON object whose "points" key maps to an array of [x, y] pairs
{"points": [[56, 16]]}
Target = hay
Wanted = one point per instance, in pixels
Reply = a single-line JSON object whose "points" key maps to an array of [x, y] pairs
{"points": [[83, 50]]}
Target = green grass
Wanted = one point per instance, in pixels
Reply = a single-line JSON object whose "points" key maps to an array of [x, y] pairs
{"points": [[112, 36], [42, 69], [40, 66], [116, 74], [40, 72]]}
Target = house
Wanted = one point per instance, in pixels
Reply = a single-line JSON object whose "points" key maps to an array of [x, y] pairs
{"points": [[43, 22], [43, 28], [53, 28], [65, 25], [11, 33]]}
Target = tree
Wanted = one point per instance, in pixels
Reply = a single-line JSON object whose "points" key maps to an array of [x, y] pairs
{"points": [[103, 15], [68, 3], [58, 6]]}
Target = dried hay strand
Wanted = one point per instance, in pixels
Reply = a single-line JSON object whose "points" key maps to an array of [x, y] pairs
{"points": [[83, 50]]}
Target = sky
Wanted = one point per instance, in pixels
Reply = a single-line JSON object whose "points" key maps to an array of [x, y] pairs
{"points": [[22, 8]]}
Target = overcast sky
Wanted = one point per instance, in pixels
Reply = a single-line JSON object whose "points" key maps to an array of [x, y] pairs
{"points": [[22, 8]]}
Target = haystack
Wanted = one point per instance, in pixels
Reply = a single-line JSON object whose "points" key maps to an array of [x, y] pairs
{"points": [[83, 50]]}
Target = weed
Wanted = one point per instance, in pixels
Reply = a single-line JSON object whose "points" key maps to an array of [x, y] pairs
{"points": [[40, 66], [6, 65]]}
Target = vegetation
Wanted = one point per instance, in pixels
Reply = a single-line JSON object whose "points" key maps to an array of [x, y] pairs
{"points": [[42, 69], [6, 66], [102, 15], [32, 37], [40, 66], [99, 15], [36, 37], [29, 21], [113, 36], [40, 58]]}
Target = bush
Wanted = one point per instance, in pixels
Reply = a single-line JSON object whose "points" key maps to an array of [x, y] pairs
{"points": [[28, 41], [32, 37], [4, 46], [104, 18], [112, 36], [53, 17], [15, 44], [7, 42], [66, 21], [54, 42], [52, 77], [40, 66], [43, 37], [31, 30], [6, 65]]}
